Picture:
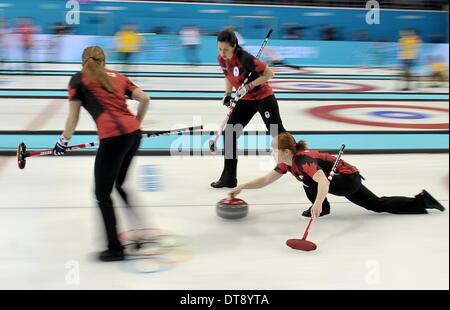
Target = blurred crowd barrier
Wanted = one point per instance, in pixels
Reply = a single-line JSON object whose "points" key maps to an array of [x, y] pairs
{"points": [[180, 33], [168, 49]]}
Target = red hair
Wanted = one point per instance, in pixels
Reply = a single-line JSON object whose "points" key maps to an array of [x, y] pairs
{"points": [[286, 141]]}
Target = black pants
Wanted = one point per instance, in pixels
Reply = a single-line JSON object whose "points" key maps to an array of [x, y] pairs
{"points": [[125, 57], [241, 116], [407, 75], [26, 56], [350, 186], [113, 159]]}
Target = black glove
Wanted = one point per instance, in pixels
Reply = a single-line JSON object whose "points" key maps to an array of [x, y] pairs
{"points": [[60, 146], [226, 100]]}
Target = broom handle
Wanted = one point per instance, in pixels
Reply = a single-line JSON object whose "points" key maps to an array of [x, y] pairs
{"points": [[91, 144], [305, 234]]}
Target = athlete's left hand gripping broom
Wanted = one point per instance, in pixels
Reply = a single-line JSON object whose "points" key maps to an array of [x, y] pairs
{"points": [[303, 244]]}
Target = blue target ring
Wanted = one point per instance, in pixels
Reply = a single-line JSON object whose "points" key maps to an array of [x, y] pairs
{"points": [[399, 115], [315, 85], [319, 86]]}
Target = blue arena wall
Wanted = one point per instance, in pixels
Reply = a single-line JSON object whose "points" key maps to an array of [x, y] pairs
{"points": [[106, 17]]}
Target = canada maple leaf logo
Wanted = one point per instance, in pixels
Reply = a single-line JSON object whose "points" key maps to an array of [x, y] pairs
{"points": [[309, 168]]}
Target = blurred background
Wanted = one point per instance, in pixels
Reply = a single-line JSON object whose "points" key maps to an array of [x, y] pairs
{"points": [[153, 32]]}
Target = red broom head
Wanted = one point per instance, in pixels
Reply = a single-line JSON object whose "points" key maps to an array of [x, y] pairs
{"points": [[301, 244]]}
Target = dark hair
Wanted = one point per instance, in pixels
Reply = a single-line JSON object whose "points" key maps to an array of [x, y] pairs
{"points": [[229, 36]]}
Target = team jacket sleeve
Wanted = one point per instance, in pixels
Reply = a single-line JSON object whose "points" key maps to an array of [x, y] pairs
{"points": [[307, 165], [281, 168], [259, 66], [252, 64], [74, 88], [130, 88]]}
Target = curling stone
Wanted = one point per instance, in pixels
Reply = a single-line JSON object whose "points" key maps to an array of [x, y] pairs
{"points": [[232, 209]]}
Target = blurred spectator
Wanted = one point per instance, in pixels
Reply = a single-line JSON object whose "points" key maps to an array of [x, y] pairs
{"points": [[26, 30], [361, 36], [329, 33], [191, 39], [293, 31], [159, 30], [4, 33], [409, 45], [438, 72], [128, 42], [436, 38], [55, 43]]}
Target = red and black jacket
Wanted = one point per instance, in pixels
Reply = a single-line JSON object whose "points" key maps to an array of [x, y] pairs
{"points": [[108, 109], [306, 163], [239, 67]]}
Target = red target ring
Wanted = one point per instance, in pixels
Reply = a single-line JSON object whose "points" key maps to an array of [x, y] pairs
{"points": [[326, 112]]}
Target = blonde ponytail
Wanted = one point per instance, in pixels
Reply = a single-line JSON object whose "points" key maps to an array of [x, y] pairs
{"points": [[94, 67]]}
